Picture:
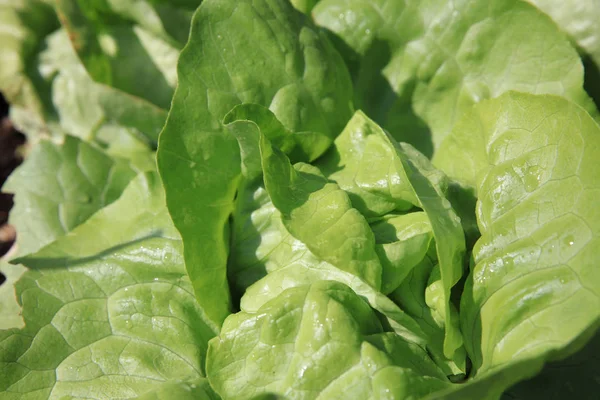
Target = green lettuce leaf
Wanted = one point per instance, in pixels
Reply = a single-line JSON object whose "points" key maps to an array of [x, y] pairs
{"points": [[66, 99], [93, 111], [576, 18], [396, 172], [443, 57], [262, 245], [121, 54], [320, 214], [401, 242], [59, 187], [10, 309], [198, 389], [109, 310], [532, 161], [259, 241], [24, 25], [234, 57], [317, 341]]}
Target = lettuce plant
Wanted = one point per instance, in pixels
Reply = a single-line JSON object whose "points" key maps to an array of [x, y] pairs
{"points": [[316, 199]]}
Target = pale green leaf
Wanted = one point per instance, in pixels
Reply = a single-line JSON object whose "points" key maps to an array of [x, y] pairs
{"points": [[533, 162], [320, 214], [24, 25], [198, 389], [397, 172], [318, 341], [109, 310], [59, 187], [577, 19], [10, 309], [443, 57]]}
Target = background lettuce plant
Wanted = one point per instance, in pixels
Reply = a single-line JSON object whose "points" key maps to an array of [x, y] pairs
{"points": [[385, 199]]}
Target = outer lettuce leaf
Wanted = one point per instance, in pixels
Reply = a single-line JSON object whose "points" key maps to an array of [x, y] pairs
{"points": [[23, 27], [533, 162], [109, 310], [577, 18], [10, 310], [198, 389], [93, 111], [59, 187], [446, 56], [168, 19], [121, 54], [317, 341], [263, 52], [59, 97]]}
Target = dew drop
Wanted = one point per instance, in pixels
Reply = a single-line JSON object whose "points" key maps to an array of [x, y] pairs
{"points": [[569, 240]]}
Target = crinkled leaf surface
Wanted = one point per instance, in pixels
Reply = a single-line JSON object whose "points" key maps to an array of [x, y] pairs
{"points": [[317, 341], [307, 269], [262, 52], [320, 214], [446, 56], [401, 242], [395, 172], [59, 187], [533, 162], [10, 309], [264, 251], [349, 158], [109, 310]]}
